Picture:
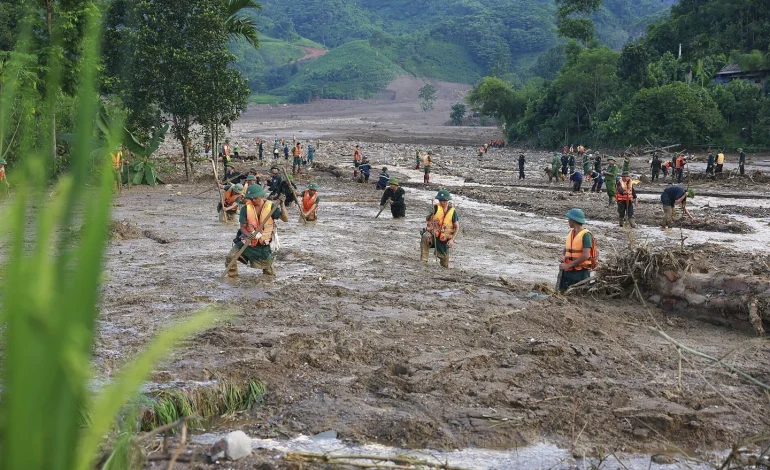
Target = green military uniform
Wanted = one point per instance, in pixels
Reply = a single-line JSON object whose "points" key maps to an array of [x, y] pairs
{"points": [[555, 165], [586, 164], [430, 240], [573, 276], [610, 180], [260, 256]]}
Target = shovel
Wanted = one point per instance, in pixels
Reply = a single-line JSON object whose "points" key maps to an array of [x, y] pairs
{"points": [[255, 234], [222, 216], [382, 208], [296, 197]]}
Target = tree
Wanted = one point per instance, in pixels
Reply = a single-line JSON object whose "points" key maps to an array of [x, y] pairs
{"points": [[674, 113], [427, 96], [180, 62], [458, 114], [493, 97], [238, 24], [573, 19], [633, 63]]}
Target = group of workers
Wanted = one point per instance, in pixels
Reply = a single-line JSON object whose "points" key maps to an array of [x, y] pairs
{"points": [[302, 156]]}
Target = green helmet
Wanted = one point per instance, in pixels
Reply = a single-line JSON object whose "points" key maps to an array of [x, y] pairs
{"points": [[227, 139], [443, 195], [237, 188], [690, 193], [3, 162], [740, 150], [251, 178], [313, 186], [255, 191], [430, 152], [576, 215], [393, 181]]}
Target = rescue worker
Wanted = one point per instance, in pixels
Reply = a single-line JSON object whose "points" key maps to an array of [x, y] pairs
{"points": [[310, 202], [597, 163], [571, 164], [3, 179], [236, 150], [426, 164], [655, 166], [581, 150], [741, 161], [586, 163], [274, 184], [251, 179], [310, 155], [710, 164], [232, 198], [286, 152], [230, 174], [555, 164], [610, 179], [356, 160], [257, 214], [522, 161], [296, 153], [382, 179], [443, 224], [564, 164], [418, 160], [394, 195], [579, 254], [598, 181], [672, 196], [577, 181], [261, 149], [720, 162], [276, 152], [665, 167], [680, 163], [626, 199], [365, 168]]}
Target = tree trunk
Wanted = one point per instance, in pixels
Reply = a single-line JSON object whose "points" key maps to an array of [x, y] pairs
{"points": [[49, 24]]}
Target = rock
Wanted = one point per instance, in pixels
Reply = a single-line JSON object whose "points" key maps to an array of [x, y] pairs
{"points": [[235, 446], [671, 275], [694, 299], [325, 435], [662, 459], [654, 299]]}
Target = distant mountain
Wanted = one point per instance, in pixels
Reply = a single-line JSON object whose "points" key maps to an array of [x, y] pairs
{"points": [[453, 40]]}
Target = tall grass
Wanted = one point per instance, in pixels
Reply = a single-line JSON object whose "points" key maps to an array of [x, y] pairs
{"points": [[50, 292]]}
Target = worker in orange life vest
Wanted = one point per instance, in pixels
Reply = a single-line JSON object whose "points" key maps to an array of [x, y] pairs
{"points": [[257, 215], [2, 175], [443, 225], [231, 197], [310, 202], [626, 199], [579, 255]]}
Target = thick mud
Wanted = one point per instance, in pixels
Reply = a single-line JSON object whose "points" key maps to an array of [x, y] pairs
{"points": [[355, 334]]}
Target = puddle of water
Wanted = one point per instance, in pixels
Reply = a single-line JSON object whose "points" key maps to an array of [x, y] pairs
{"points": [[538, 456]]}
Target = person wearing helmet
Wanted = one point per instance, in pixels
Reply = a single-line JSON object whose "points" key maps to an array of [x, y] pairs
{"points": [[626, 199], [579, 254], [382, 179], [394, 195], [443, 224], [365, 169], [257, 224], [672, 196], [230, 175], [610, 174], [232, 198], [426, 164], [310, 202]]}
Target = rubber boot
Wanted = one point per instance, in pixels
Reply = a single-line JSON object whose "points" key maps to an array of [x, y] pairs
{"points": [[425, 246], [631, 222], [267, 268], [233, 271], [444, 260], [621, 221], [609, 200]]}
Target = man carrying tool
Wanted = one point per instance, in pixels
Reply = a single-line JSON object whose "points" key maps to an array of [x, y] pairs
{"points": [[366, 169], [626, 198], [443, 224], [742, 161], [522, 161], [230, 173], [274, 184], [232, 198], [720, 162], [579, 254], [310, 202], [610, 180], [257, 214], [382, 179], [672, 196], [395, 196], [426, 163], [356, 160]]}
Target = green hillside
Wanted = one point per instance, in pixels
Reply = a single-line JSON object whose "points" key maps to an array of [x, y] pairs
{"points": [[452, 40]]}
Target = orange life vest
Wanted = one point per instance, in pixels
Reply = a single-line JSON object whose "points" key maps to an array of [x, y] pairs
{"points": [[426, 161], [2, 174], [230, 197], [356, 155], [254, 222], [440, 225], [720, 158], [680, 162], [308, 202], [116, 159], [226, 149], [628, 194], [296, 152], [574, 249]]}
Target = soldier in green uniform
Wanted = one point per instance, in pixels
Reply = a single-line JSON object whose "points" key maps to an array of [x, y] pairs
{"points": [[610, 180], [257, 212], [555, 165], [443, 225]]}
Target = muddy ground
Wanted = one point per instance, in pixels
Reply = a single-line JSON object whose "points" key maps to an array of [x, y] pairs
{"points": [[356, 335]]}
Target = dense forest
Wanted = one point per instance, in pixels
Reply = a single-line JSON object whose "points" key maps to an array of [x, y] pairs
{"points": [[647, 90], [452, 40]]}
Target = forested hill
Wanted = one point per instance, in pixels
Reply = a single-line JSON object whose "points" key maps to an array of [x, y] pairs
{"points": [[453, 40]]}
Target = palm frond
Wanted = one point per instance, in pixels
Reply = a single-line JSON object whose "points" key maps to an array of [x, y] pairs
{"points": [[234, 7], [242, 27]]}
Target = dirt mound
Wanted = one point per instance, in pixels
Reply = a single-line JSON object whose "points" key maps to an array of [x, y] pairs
{"points": [[122, 230]]}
